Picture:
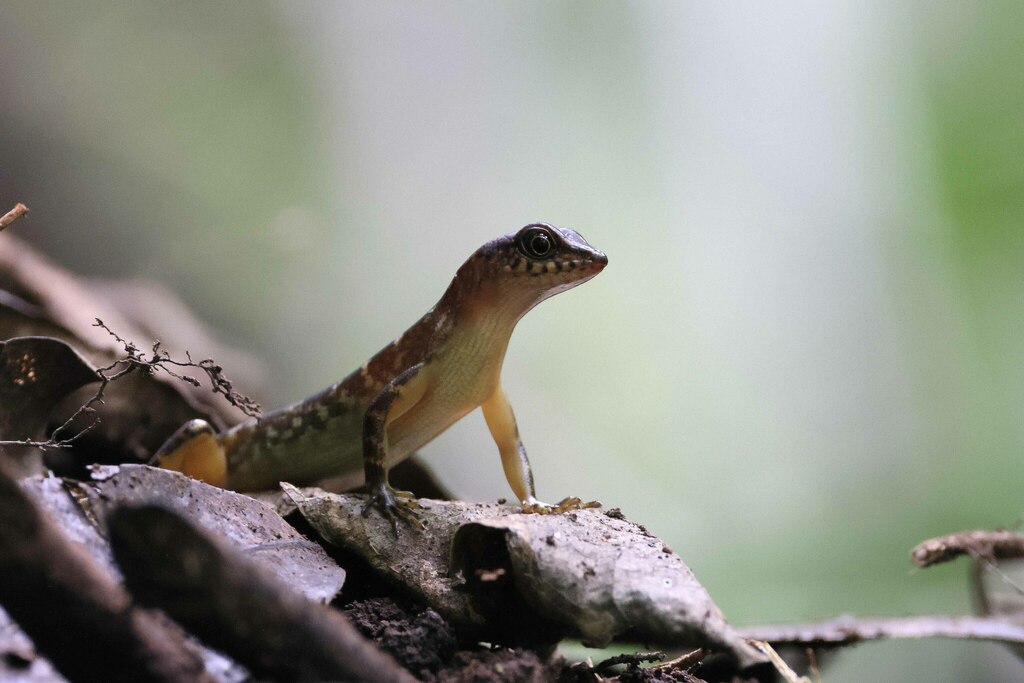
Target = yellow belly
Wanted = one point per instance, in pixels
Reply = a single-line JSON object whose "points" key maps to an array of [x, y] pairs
{"points": [[461, 377]]}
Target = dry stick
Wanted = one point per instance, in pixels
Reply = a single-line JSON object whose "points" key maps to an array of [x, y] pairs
{"points": [[74, 611], [983, 545], [685, 661], [991, 545], [159, 360], [119, 368], [849, 630], [812, 665], [784, 670], [135, 360], [14, 214], [234, 607], [631, 659], [681, 666]]}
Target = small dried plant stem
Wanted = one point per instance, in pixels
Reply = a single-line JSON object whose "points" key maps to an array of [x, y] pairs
{"points": [[135, 359], [14, 214]]}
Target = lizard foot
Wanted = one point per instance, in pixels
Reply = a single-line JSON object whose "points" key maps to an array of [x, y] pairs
{"points": [[535, 507], [392, 506]]}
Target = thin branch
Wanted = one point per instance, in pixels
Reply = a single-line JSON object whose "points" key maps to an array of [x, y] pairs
{"points": [[14, 214], [850, 630], [812, 665], [681, 667], [159, 360], [783, 669], [991, 545], [631, 659]]}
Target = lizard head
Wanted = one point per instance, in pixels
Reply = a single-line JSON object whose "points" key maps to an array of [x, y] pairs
{"points": [[527, 266], [543, 257], [514, 273]]}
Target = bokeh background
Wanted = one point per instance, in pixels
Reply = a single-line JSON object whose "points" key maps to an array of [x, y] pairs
{"points": [[806, 354]]}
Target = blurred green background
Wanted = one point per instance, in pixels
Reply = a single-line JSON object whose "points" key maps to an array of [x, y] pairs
{"points": [[806, 353]]}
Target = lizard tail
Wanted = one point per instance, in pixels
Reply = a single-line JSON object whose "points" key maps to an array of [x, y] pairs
{"points": [[194, 450]]}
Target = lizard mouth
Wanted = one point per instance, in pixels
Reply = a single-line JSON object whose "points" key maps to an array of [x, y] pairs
{"points": [[592, 263], [595, 263]]}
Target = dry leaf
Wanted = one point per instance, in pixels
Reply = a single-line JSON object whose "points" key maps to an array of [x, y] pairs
{"points": [[250, 526], [36, 373], [141, 410], [581, 573]]}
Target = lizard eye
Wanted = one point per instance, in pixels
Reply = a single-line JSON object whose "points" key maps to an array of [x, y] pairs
{"points": [[536, 243]]}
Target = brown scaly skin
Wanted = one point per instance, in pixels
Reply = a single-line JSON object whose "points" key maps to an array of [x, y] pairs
{"points": [[440, 369]]}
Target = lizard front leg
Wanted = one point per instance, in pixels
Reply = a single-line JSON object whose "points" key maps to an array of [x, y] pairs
{"points": [[396, 398], [502, 423]]}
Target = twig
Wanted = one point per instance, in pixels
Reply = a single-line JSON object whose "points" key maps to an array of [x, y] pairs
{"points": [[74, 611], [783, 669], [686, 661], [14, 214], [136, 360], [159, 359], [850, 630], [992, 545], [629, 659], [812, 665], [235, 608]]}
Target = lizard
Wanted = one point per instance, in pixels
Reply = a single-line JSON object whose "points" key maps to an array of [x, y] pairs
{"points": [[439, 370]]}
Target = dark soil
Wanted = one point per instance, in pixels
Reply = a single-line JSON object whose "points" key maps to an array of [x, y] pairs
{"points": [[419, 639], [424, 643]]}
